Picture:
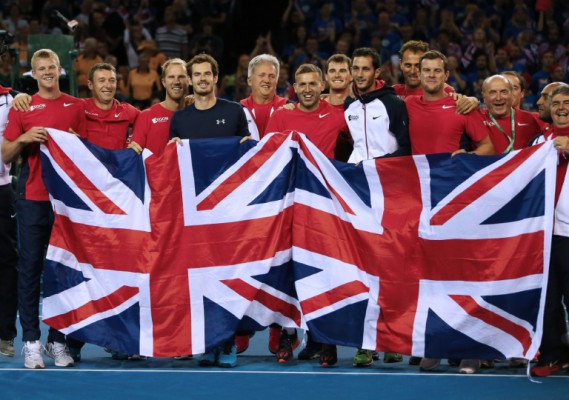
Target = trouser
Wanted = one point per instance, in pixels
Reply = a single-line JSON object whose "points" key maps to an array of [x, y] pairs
{"points": [[35, 219], [8, 264], [552, 346]]}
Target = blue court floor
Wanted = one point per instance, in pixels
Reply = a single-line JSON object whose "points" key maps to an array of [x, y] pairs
{"points": [[259, 376]]}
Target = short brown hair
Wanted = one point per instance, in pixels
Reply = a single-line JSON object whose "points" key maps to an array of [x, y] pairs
{"points": [[200, 59], [368, 52], [100, 66], [414, 46], [521, 79], [339, 58], [434, 55], [308, 68], [44, 53], [171, 61]]}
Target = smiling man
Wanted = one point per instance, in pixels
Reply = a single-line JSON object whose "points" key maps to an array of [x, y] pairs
{"points": [[262, 77], [339, 79], [23, 135], [322, 123], [510, 128], [209, 116], [434, 124]]}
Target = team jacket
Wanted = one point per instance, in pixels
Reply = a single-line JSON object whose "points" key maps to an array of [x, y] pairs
{"points": [[378, 123]]}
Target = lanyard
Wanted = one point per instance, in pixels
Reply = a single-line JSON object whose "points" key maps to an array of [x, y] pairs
{"points": [[510, 139]]}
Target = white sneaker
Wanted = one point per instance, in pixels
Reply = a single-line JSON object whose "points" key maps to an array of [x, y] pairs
{"points": [[60, 353], [32, 355]]}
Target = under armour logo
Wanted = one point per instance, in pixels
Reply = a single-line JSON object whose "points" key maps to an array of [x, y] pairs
{"points": [[221, 121]]}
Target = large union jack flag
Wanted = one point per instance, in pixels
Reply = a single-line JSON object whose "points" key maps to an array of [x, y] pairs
{"points": [[423, 255]]}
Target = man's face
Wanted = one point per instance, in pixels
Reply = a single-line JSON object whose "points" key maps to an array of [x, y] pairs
{"points": [[202, 79], [338, 75], [517, 90], [308, 87], [498, 97], [176, 82], [433, 76], [103, 86], [46, 72], [543, 102], [560, 110], [364, 74], [263, 80], [410, 68]]}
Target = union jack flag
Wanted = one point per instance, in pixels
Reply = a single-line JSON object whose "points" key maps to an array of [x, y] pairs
{"points": [[171, 255]]}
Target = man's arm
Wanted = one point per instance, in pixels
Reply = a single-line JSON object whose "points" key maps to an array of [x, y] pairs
{"points": [[12, 149], [483, 147]]}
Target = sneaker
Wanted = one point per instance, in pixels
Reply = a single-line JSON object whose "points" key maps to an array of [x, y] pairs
{"points": [[75, 353], [516, 362], [242, 343], [414, 360], [469, 366], [389, 358], [32, 355], [7, 347], [209, 359], [429, 364], [228, 357], [115, 355], [284, 352], [137, 357], [328, 355], [454, 362], [375, 355], [312, 349], [274, 338], [487, 364], [184, 357], [363, 358], [59, 353], [545, 369]]}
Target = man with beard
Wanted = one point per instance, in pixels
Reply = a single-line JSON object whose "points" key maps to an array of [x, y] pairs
{"points": [[436, 127], [152, 127], [209, 117]]}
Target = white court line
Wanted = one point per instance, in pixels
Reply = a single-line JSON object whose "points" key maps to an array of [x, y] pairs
{"points": [[160, 371]]}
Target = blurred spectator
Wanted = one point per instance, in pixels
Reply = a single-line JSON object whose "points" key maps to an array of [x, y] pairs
{"points": [[207, 42], [542, 77], [448, 24], [309, 54], [421, 25], [295, 48], [285, 89], [361, 20], [482, 69], [390, 38], [14, 21], [263, 46], [554, 44], [143, 84], [396, 18], [184, 13], [519, 22], [326, 27], [83, 16], [172, 40], [443, 43], [83, 64], [156, 57], [292, 18], [213, 12], [456, 78], [134, 35], [234, 86], [476, 45]]}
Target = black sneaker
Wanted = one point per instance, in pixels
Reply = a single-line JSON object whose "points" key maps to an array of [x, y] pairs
{"points": [[284, 353], [415, 360], [328, 355], [311, 351]]}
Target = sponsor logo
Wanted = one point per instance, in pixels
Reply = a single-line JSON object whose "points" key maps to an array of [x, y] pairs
{"points": [[322, 115], [489, 123], [117, 115], [91, 113], [37, 107], [376, 117], [447, 107], [220, 121], [520, 124], [353, 117], [159, 120], [67, 104], [13, 215]]}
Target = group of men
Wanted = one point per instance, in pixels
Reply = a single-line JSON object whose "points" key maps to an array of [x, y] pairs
{"points": [[359, 112]]}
